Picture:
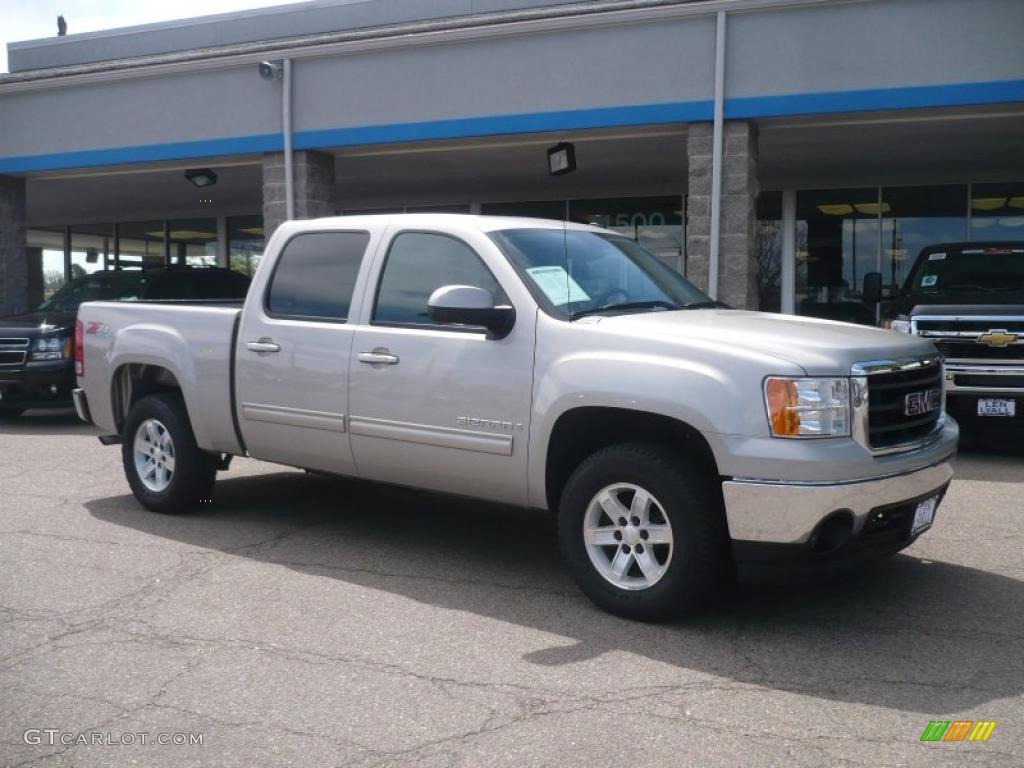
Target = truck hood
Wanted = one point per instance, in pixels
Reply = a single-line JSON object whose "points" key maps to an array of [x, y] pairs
{"points": [[32, 324], [820, 347]]}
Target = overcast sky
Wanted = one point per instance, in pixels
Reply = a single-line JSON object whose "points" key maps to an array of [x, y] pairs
{"points": [[33, 19]]}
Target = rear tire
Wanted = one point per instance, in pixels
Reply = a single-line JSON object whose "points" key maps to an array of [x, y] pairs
{"points": [[165, 468], [675, 561], [10, 413]]}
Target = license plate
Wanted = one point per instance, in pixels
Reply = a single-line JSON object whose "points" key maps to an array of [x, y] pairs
{"points": [[988, 406], [924, 515]]}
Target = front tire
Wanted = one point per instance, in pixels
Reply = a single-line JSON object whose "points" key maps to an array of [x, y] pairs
{"points": [[643, 532], [165, 468]]}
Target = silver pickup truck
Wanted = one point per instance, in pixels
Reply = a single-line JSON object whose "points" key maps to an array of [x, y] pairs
{"points": [[537, 364]]}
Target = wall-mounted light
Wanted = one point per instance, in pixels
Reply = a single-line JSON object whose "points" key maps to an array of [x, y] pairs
{"points": [[562, 159], [270, 70], [201, 177]]}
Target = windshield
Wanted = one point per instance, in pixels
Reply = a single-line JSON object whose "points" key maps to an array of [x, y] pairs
{"points": [[124, 286], [575, 272], [980, 270]]}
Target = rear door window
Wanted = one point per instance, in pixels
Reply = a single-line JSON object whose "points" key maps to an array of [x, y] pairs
{"points": [[315, 276]]}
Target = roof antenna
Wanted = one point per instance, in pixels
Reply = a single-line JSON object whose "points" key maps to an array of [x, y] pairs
{"points": [[62, 26]]}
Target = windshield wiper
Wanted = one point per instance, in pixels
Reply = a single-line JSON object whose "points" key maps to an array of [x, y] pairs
{"points": [[625, 305], [970, 287]]}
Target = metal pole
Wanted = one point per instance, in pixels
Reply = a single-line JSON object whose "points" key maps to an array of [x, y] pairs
{"points": [[789, 251], [716, 156], [286, 126]]}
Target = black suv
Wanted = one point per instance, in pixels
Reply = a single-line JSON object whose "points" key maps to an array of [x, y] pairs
{"points": [[968, 298], [37, 348]]}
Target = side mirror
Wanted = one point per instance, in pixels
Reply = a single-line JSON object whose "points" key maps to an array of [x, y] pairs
{"points": [[466, 305], [872, 293]]}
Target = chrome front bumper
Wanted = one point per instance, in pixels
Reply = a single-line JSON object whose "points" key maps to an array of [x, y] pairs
{"points": [[787, 513], [1006, 379]]}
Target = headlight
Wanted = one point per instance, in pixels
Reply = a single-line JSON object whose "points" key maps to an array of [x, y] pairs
{"points": [[898, 325], [52, 348], [808, 407]]}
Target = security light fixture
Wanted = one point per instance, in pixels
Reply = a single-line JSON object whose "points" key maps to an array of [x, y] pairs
{"points": [[271, 69], [562, 159], [201, 177]]}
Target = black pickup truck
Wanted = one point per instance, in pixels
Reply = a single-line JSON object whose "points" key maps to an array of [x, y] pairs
{"points": [[37, 348], [968, 298]]}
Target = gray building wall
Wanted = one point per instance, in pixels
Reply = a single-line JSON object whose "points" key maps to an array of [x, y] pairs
{"points": [[831, 56]]}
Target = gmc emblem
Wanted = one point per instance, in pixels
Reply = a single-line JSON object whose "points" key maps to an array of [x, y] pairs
{"points": [[920, 403]]}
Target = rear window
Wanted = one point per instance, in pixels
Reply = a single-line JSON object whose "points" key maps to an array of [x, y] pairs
{"points": [[994, 269], [316, 274]]}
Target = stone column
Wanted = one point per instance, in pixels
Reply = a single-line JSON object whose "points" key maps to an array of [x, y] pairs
{"points": [[14, 268], [314, 188], [737, 267]]}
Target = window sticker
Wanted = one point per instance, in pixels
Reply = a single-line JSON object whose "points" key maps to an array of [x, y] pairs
{"points": [[929, 281], [557, 285], [936, 257]]}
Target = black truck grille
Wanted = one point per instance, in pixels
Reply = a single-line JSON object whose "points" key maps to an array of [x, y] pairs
{"points": [[969, 350], [13, 351], [895, 402]]}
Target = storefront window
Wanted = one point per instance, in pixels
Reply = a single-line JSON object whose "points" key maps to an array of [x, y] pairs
{"points": [[654, 222], [768, 251], [193, 242], [92, 248], [536, 209], [46, 262], [837, 244], [141, 244], [245, 243], [997, 211], [915, 217]]}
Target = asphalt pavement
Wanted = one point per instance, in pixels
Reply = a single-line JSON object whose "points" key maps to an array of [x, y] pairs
{"points": [[307, 621]]}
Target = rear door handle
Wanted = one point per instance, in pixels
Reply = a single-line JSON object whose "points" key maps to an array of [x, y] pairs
{"points": [[263, 345], [379, 356]]}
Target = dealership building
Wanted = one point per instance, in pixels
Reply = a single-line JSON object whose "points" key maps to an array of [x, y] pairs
{"points": [[774, 151]]}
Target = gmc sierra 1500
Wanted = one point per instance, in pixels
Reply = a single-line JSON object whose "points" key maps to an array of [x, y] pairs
{"points": [[541, 364]]}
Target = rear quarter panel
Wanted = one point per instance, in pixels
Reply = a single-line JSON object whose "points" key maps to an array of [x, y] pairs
{"points": [[194, 343]]}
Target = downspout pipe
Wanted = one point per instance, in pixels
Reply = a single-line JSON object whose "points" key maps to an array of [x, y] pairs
{"points": [[717, 142], [286, 127]]}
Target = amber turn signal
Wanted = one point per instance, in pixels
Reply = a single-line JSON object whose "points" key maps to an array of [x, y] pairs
{"points": [[782, 398]]}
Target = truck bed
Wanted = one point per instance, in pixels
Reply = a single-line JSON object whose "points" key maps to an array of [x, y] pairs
{"points": [[193, 341]]}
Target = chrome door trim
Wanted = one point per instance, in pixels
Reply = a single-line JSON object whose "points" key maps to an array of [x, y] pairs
{"points": [[423, 434], [294, 417]]}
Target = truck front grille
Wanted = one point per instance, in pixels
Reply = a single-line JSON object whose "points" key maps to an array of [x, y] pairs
{"points": [[895, 403], [969, 350], [972, 338], [13, 351]]}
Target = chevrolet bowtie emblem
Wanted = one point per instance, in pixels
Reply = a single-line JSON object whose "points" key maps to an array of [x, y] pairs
{"points": [[997, 338]]}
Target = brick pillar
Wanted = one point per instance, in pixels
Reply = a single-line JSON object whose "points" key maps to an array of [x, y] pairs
{"points": [[14, 271], [737, 268], [314, 188]]}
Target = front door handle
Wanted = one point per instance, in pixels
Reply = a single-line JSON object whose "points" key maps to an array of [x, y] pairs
{"points": [[263, 345], [379, 356]]}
